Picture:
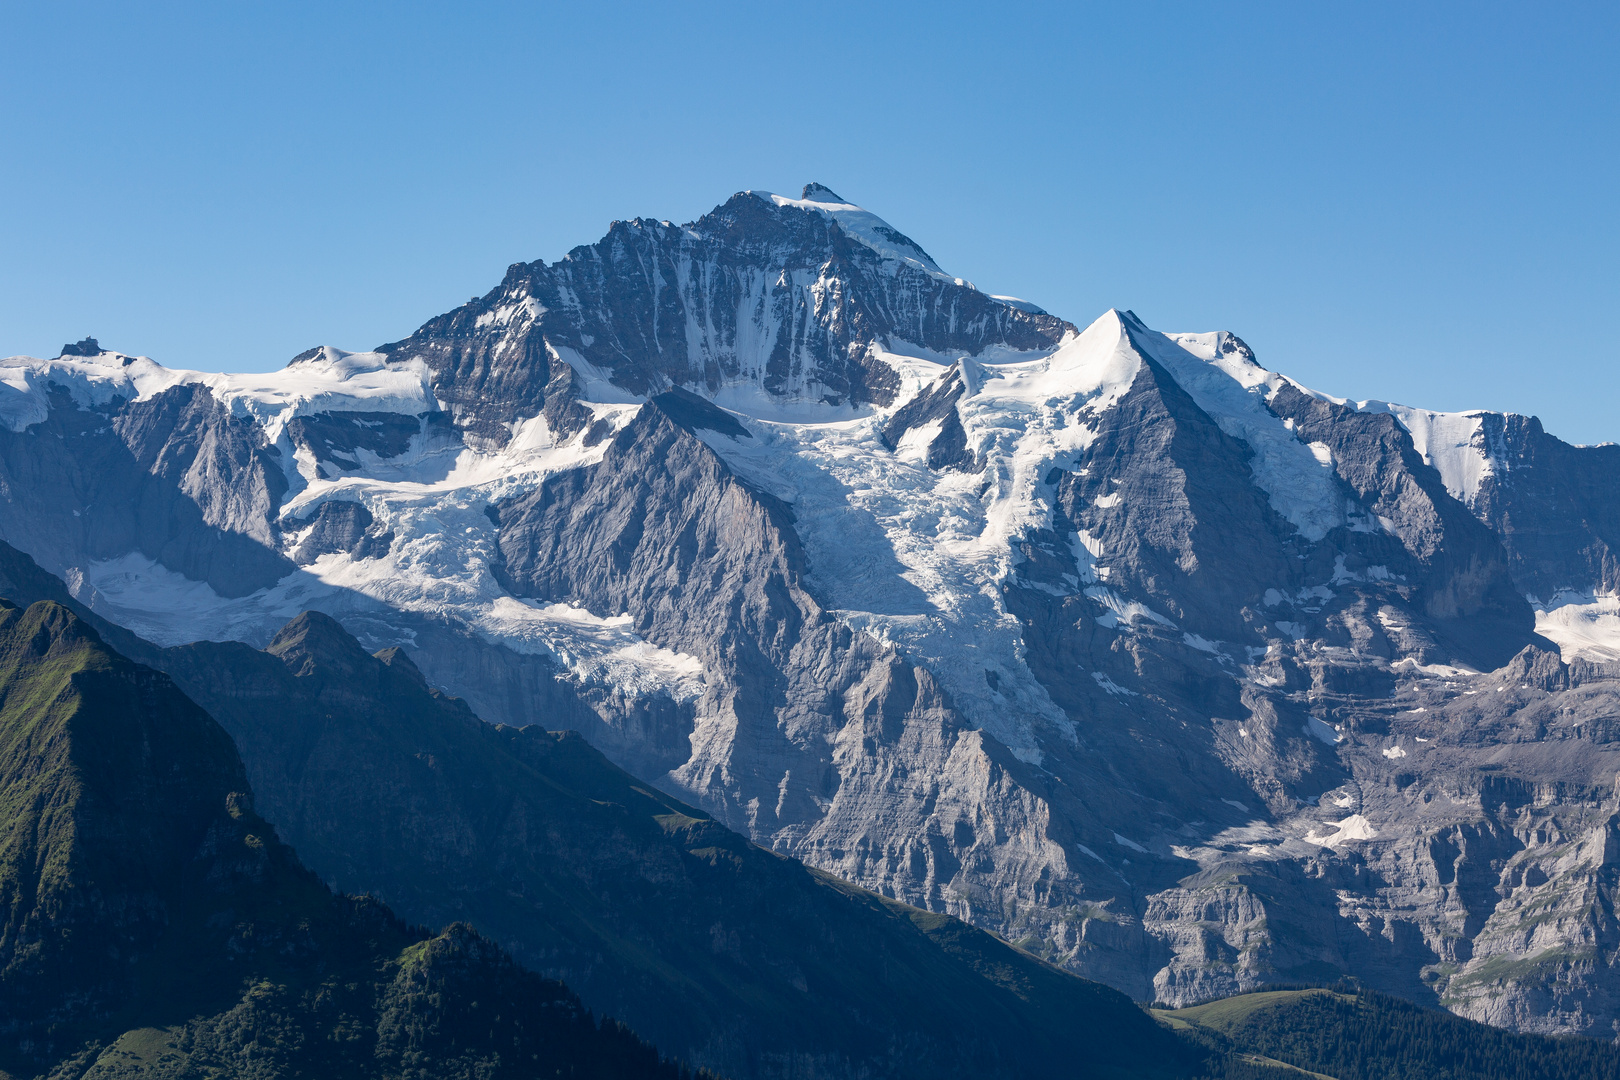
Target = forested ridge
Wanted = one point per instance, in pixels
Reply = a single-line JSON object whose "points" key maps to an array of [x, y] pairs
{"points": [[1358, 1034]]}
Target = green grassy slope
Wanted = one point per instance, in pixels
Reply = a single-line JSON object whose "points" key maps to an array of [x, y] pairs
{"points": [[151, 923], [1370, 1036], [109, 778]]}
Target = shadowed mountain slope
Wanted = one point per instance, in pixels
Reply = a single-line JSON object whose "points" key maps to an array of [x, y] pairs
{"points": [[722, 953], [743, 960], [152, 925]]}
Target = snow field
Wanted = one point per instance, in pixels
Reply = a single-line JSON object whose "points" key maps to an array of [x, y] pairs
{"points": [[333, 380], [916, 558], [1584, 625]]}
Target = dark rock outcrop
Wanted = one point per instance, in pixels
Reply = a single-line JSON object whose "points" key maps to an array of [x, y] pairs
{"points": [[83, 347], [153, 924], [343, 526], [947, 449], [1463, 590]]}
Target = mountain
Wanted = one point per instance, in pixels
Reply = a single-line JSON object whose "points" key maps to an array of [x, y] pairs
{"points": [[766, 299], [721, 953], [132, 837], [154, 925], [1177, 673]]}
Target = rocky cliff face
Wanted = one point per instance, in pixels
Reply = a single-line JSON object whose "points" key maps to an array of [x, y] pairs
{"points": [[780, 298], [1113, 641], [1556, 507], [724, 954], [874, 774], [174, 478]]}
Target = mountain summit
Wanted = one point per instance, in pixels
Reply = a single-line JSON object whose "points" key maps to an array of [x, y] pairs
{"points": [[766, 300], [1110, 640]]}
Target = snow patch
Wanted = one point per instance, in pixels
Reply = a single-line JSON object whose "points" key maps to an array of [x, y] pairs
{"points": [[918, 558], [1354, 827], [1202, 644], [1342, 574], [1111, 686], [592, 383], [1454, 443], [1019, 303], [597, 649], [1298, 479], [1584, 625], [332, 380], [437, 567], [866, 227], [1122, 612], [913, 445], [1318, 728]]}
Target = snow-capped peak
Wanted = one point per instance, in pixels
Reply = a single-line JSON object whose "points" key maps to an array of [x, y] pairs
{"points": [[890, 243], [862, 225], [318, 381], [319, 354], [1220, 373]]}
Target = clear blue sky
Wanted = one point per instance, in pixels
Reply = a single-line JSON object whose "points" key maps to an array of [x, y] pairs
{"points": [[1417, 202]]}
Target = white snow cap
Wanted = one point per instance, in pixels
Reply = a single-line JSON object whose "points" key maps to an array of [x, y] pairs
{"points": [[316, 381], [1223, 378], [863, 225], [879, 235]]}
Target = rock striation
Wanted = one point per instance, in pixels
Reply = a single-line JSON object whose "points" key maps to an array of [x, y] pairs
{"points": [[782, 297]]}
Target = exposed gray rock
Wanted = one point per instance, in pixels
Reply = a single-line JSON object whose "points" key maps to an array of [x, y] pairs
{"points": [[1464, 590], [947, 449], [779, 297], [174, 477], [345, 441], [343, 526], [84, 347], [868, 769], [1555, 506]]}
